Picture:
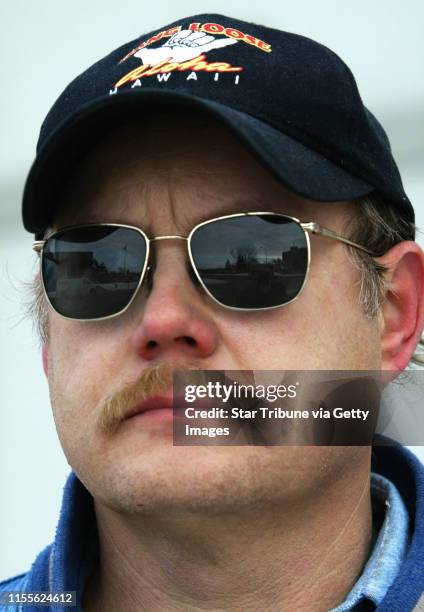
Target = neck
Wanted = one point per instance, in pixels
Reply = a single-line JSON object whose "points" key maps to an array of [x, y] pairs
{"points": [[306, 556]]}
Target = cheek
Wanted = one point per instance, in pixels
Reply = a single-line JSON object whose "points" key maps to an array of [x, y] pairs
{"points": [[85, 351], [338, 333], [85, 364], [273, 340]]}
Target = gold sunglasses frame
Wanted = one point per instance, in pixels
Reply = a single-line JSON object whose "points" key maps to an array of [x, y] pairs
{"points": [[310, 227]]}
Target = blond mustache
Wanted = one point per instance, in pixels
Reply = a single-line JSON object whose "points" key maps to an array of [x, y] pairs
{"points": [[154, 380]]}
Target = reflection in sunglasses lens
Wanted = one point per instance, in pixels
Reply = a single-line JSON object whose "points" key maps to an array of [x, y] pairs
{"points": [[256, 261], [93, 272]]}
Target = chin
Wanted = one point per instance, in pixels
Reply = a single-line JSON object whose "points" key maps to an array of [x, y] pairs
{"points": [[206, 479]]}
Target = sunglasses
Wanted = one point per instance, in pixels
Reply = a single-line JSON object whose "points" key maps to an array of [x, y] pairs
{"points": [[248, 261]]}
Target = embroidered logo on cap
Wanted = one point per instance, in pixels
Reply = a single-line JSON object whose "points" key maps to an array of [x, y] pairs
{"points": [[186, 51]]}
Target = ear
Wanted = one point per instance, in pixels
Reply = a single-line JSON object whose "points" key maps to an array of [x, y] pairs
{"points": [[403, 309], [45, 356]]}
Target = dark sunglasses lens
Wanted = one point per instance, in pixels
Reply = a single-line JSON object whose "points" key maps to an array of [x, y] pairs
{"points": [[256, 261], [93, 272]]}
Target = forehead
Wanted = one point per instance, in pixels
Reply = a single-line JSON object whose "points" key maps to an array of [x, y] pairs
{"points": [[185, 169]]}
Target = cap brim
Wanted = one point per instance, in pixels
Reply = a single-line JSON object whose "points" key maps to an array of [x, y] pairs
{"points": [[301, 169]]}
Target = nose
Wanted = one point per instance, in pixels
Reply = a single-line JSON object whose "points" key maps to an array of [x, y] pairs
{"points": [[176, 321]]}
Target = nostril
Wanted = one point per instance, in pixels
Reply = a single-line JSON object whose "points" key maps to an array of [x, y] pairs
{"points": [[187, 340]]}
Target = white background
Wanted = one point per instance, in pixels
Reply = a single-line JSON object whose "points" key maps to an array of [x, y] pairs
{"points": [[43, 45]]}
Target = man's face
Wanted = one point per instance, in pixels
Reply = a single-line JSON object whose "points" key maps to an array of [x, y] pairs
{"points": [[165, 180]]}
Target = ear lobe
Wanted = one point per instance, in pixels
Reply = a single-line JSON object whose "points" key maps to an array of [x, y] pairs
{"points": [[403, 310], [45, 356]]}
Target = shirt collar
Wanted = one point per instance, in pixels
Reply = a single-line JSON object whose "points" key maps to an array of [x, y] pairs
{"points": [[389, 551]]}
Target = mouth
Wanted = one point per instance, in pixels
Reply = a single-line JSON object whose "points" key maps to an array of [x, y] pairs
{"points": [[164, 408], [158, 407]]}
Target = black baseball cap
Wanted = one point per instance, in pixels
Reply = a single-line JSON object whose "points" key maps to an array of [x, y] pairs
{"points": [[291, 101]]}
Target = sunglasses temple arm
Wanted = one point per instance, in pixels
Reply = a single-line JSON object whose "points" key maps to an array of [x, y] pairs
{"points": [[315, 228]]}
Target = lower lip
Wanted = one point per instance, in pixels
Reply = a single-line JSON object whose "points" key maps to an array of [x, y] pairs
{"points": [[158, 414]]}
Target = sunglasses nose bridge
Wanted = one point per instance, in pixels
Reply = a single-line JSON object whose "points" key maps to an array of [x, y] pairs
{"points": [[156, 238], [152, 255], [151, 268]]}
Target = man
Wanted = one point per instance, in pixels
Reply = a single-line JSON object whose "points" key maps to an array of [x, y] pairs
{"points": [[192, 126]]}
